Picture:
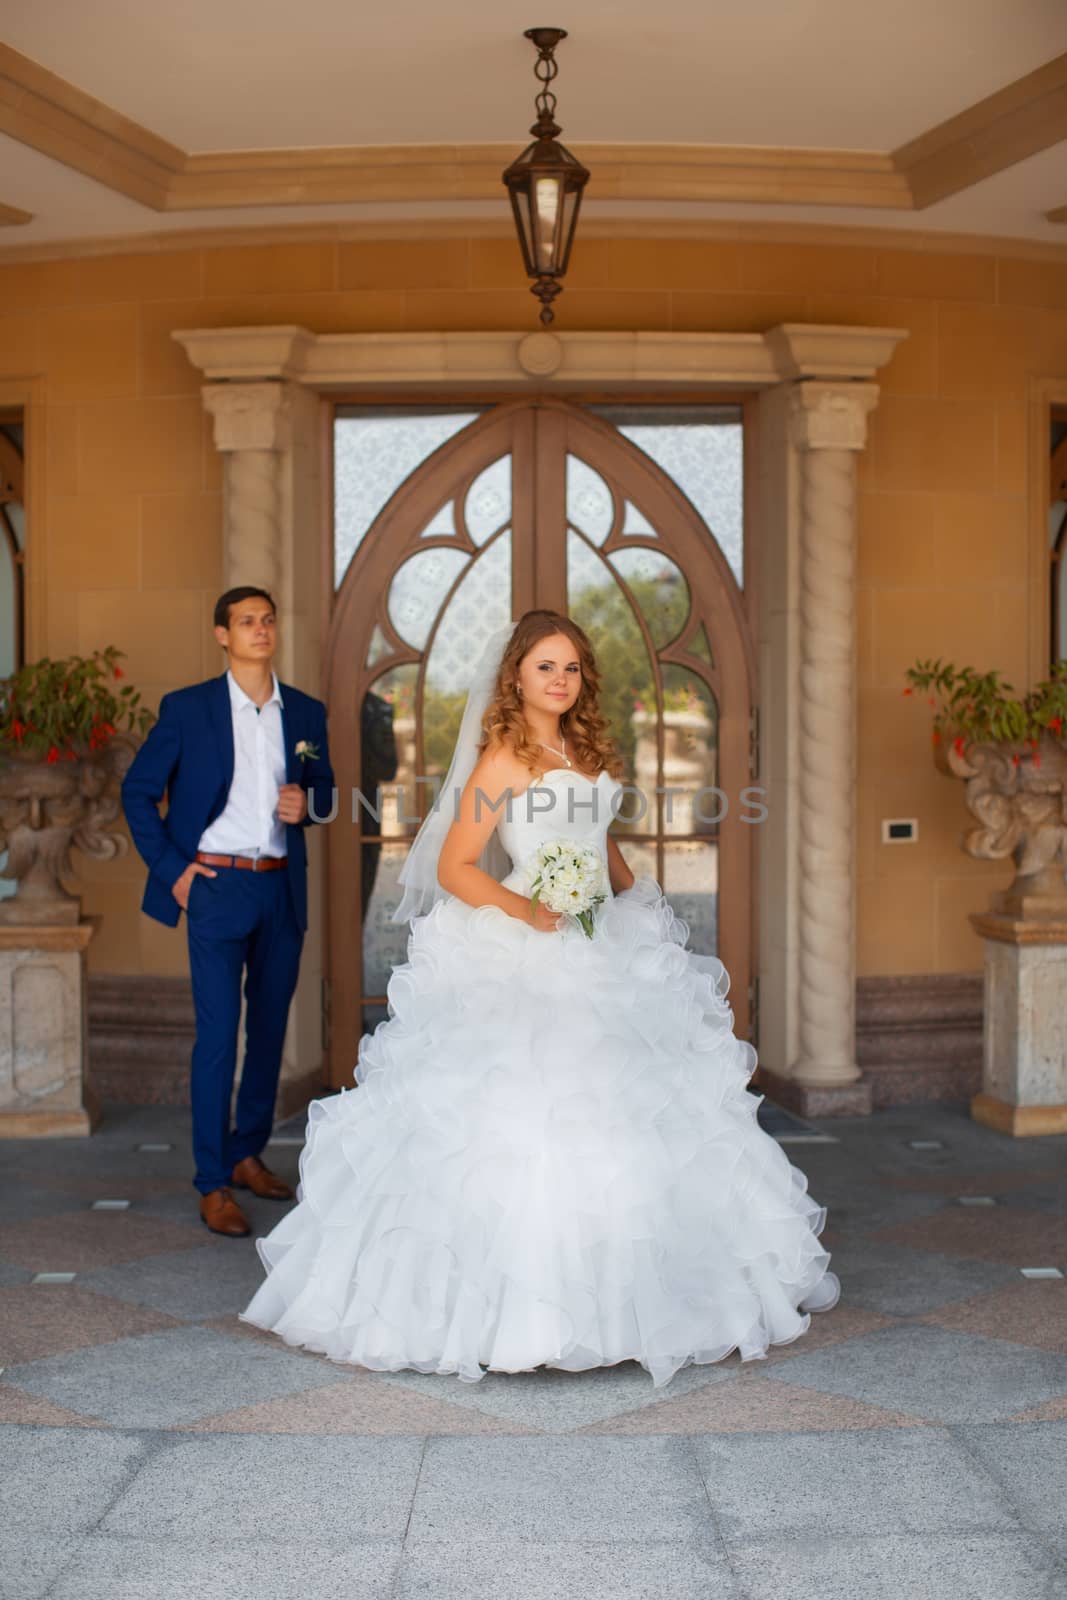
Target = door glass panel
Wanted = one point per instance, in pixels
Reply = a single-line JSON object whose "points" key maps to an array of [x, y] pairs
{"points": [[627, 678], [488, 504], [442, 524], [659, 588], [691, 884], [640, 856], [700, 646], [385, 942], [690, 753], [387, 756], [700, 448], [378, 647], [590, 503], [375, 451], [480, 605], [418, 591], [636, 523]]}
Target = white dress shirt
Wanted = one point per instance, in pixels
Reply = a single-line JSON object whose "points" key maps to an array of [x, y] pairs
{"points": [[248, 825]]}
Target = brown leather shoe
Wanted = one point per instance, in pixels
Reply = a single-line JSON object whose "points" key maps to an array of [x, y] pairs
{"points": [[252, 1174], [220, 1212]]}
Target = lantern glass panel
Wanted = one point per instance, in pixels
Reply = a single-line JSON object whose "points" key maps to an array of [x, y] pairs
{"points": [[519, 199], [548, 215]]}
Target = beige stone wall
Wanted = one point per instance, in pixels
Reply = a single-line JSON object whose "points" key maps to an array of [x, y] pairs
{"points": [[127, 549]]}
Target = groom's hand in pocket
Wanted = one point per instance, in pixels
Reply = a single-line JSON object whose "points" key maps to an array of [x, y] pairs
{"points": [[180, 889], [292, 804]]}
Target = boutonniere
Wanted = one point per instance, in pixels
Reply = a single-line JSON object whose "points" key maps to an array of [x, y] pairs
{"points": [[306, 750]]}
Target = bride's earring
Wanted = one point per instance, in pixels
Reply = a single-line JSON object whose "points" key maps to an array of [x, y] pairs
{"points": [[518, 690]]}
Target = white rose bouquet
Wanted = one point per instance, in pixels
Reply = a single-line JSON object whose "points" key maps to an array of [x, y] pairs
{"points": [[568, 877]]}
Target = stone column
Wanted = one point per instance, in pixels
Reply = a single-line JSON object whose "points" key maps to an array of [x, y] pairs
{"points": [[828, 425], [252, 431]]}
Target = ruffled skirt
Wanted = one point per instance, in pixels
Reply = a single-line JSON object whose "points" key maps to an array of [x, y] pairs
{"points": [[552, 1160]]}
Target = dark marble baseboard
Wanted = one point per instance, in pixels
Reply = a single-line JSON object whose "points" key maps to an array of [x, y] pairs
{"points": [[141, 1032], [919, 1038], [918, 1041]]}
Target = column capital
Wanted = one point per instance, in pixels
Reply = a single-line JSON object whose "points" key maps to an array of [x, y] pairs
{"points": [[249, 416], [830, 416]]}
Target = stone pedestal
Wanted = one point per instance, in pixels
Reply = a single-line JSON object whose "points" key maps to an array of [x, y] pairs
{"points": [[44, 1089], [1024, 1074]]}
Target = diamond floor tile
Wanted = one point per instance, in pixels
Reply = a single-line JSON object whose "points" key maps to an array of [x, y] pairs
{"points": [[550, 1401], [1031, 1313], [188, 1285], [160, 1379], [845, 1321], [999, 1180], [900, 1281], [18, 1406], [37, 1320], [80, 1241], [935, 1373], [762, 1404], [365, 1404], [1014, 1237]]}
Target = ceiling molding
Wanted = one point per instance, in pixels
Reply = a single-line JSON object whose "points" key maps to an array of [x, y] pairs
{"points": [[557, 361], [473, 172], [52, 116], [12, 217], [593, 227], [1021, 120]]}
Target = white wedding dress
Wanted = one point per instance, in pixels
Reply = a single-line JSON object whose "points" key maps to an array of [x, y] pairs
{"points": [[552, 1158]]}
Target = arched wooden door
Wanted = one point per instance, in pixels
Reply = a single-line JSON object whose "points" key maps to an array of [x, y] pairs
{"points": [[538, 504]]}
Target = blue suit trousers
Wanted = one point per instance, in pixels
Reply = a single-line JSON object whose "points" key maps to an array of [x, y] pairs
{"points": [[241, 925]]}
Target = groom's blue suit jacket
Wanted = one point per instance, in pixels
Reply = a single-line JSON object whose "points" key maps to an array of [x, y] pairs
{"points": [[188, 756]]}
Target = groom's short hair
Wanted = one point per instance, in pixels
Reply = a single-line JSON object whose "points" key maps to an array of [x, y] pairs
{"points": [[233, 597]]}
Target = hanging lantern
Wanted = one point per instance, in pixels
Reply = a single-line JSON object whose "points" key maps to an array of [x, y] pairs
{"points": [[545, 184]]}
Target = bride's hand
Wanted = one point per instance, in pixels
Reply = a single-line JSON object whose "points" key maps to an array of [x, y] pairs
{"points": [[544, 921]]}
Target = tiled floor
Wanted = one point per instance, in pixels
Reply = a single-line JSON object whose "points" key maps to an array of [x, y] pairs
{"points": [[912, 1446]]}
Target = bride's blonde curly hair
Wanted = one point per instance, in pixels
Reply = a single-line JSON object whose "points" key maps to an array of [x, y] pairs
{"points": [[583, 727]]}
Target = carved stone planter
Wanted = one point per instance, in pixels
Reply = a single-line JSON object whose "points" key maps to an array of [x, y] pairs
{"points": [[44, 810], [1019, 805]]}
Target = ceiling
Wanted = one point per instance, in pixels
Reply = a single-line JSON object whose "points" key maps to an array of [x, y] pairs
{"points": [[160, 118]]}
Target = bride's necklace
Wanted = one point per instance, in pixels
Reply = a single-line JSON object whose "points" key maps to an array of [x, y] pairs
{"points": [[555, 752]]}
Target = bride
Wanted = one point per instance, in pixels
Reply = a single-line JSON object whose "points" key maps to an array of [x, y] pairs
{"points": [[552, 1158]]}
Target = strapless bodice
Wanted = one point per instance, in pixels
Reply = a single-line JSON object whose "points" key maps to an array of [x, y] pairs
{"points": [[562, 804]]}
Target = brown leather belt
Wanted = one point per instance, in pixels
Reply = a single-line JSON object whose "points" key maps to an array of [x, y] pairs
{"points": [[249, 863]]}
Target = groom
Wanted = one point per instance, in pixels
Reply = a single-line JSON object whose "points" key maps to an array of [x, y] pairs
{"points": [[236, 757]]}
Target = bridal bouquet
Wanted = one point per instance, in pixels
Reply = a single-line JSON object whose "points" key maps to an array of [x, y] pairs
{"points": [[568, 877]]}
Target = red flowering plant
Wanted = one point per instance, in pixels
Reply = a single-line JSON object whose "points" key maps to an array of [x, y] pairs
{"points": [[65, 710], [981, 708]]}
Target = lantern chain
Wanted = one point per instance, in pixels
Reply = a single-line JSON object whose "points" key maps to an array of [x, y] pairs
{"points": [[546, 69]]}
